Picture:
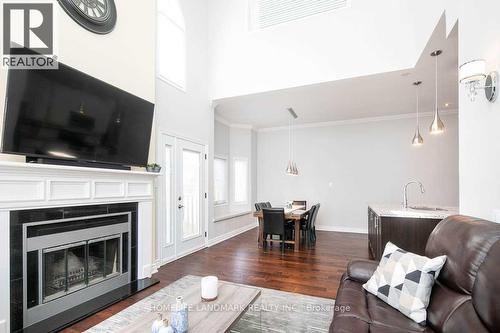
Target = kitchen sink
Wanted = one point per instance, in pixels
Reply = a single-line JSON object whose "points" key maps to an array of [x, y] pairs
{"points": [[433, 209]]}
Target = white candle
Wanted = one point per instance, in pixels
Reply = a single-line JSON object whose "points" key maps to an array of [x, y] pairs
{"points": [[209, 286]]}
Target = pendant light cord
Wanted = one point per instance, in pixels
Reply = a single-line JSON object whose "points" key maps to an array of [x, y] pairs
{"points": [[289, 140], [437, 83], [293, 139], [418, 120]]}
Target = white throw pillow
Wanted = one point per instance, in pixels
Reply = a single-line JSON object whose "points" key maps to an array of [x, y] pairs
{"points": [[404, 280]]}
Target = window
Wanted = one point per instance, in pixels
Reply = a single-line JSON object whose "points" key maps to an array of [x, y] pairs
{"points": [[171, 44], [220, 180], [240, 180], [267, 13]]}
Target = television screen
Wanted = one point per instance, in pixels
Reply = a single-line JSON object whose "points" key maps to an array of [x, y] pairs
{"points": [[66, 114]]}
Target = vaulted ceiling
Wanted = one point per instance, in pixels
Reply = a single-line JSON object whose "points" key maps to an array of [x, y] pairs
{"points": [[383, 94]]}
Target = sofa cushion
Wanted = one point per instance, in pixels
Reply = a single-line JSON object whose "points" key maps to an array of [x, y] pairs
{"points": [[404, 280], [472, 247], [360, 312]]}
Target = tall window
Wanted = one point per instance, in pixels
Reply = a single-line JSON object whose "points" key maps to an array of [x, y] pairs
{"points": [[171, 44], [220, 180], [240, 180]]}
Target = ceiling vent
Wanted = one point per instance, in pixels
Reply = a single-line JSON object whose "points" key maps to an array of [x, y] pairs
{"points": [[267, 13]]}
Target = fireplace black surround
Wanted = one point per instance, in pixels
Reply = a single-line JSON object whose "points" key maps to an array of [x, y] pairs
{"points": [[63, 271]]}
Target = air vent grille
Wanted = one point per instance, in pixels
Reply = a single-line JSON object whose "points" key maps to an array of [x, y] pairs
{"points": [[273, 12]]}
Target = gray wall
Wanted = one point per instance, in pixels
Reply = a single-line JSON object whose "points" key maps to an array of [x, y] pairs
{"points": [[234, 142], [345, 167]]}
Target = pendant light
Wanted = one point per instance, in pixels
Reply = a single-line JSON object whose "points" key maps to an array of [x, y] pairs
{"points": [[437, 126], [417, 139], [291, 168]]}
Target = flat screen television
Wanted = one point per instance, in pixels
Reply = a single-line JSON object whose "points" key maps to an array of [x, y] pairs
{"points": [[68, 115]]}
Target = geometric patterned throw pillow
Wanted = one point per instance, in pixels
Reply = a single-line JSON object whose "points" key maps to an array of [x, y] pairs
{"points": [[404, 280]]}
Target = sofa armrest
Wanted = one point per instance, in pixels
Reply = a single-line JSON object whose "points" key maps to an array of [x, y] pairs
{"points": [[361, 270]]}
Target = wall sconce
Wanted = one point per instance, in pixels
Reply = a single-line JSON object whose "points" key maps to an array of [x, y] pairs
{"points": [[473, 75]]}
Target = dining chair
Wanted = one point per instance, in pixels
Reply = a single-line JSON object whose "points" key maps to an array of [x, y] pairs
{"points": [[274, 224], [313, 223], [300, 203], [306, 225]]}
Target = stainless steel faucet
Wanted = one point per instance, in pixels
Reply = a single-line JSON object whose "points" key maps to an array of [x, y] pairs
{"points": [[405, 191]]}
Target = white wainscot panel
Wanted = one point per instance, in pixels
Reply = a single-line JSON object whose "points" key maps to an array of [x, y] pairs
{"points": [[22, 190], [109, 189], [69, 189], [139, 189]]}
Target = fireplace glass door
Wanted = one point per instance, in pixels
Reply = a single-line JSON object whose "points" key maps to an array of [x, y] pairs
{"points": [[75, 266], [54, 279], [112, 266], [96, 261]]}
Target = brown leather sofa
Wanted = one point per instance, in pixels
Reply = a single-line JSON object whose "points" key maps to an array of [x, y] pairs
{"points": [[465, 298]]}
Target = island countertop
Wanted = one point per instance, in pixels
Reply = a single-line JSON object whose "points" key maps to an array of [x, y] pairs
{"points": [[397, 210]]}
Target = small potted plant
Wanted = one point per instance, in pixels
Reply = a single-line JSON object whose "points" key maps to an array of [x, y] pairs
{"points": [[153, 167]]}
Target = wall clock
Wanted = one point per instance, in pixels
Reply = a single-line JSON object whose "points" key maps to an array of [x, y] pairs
{"points": [[98, 16]]}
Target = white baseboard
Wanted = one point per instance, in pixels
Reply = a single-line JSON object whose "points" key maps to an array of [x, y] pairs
{"points": [[156, 264], [231, 234], [147, 271], [341, 229]]}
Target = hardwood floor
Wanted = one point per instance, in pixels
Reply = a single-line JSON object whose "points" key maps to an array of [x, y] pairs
{"points": [[314, 271]]}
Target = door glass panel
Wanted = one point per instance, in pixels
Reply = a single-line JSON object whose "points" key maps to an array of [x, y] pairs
{"points": [[191, 193], [168, 195], [96, 261]]}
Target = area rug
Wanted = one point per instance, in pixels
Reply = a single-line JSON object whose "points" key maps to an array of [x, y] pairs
{"points": [[277, 311]]}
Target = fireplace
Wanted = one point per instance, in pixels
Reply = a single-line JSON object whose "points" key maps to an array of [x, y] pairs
{"points": [[70, 262]]}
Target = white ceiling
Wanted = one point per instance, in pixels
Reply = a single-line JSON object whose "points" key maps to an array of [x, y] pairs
{"points": [[384, 94]]}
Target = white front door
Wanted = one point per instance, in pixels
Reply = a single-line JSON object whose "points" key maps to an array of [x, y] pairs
{"points": [[181, 198], [190, 197]]}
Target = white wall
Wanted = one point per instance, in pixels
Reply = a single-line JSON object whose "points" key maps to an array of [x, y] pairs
{"points": [[188, 114], [479, 31], [345, 167], [124, 58], [367, 38]]}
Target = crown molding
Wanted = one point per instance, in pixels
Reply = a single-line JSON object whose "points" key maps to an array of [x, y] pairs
{"points": [[226, 122], [359, 121]]}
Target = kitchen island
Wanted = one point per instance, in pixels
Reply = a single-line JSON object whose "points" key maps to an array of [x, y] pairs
{"points": [[409, 228]]}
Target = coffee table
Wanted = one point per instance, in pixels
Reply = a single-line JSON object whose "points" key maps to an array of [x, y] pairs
{"points": [[207, 317]]}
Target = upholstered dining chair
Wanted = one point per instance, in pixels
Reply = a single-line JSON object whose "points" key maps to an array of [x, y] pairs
{"points": [[305, 226], [308, 226], [313, 223], [274, 223]]}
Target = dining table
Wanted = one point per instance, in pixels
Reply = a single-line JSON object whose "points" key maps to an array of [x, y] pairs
{"points": [[294, 214]]}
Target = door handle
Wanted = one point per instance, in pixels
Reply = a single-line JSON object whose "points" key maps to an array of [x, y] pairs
{"points": [[180, 206]]}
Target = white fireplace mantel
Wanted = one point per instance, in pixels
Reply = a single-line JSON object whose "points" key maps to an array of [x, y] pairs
{"points": [[31, 186]]}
